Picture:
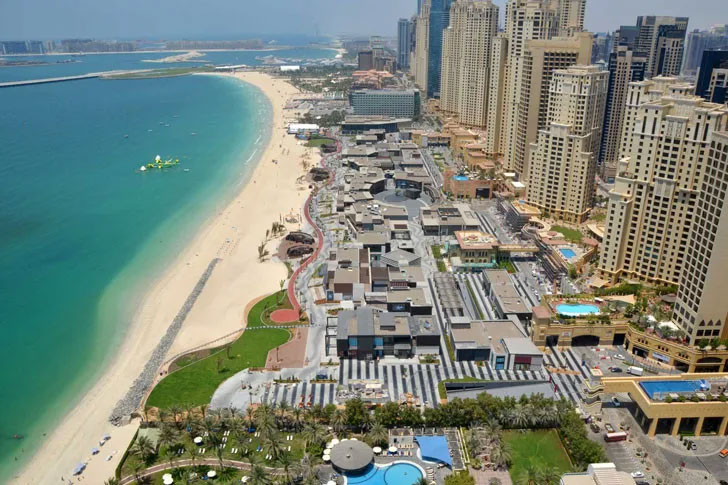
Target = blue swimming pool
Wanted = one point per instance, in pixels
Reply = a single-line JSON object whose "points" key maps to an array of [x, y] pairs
{"points": [[567, 253], [400, 473], [665, 387], [576, 309], [461, 178]]}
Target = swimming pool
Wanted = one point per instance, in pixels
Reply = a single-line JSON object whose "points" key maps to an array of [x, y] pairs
{"points": [[460, 178], [398, 473], [567, 253], [576, 309], [665, 387]]}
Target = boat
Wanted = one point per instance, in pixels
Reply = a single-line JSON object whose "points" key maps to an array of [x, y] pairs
{"points": [[159, 163]]}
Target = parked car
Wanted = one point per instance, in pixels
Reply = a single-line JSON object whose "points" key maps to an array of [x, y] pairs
{"points": [[693, 446], [619, 356], [723, 453], [595, 427], [616, 370], [641, 482], [616, 402], [637, 475], [609, 428]]}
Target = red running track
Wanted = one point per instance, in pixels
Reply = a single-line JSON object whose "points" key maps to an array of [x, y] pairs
{"points": [[291, 315]]}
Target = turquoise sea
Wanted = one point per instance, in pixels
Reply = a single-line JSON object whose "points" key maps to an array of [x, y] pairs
{"points": [[83, 232]]}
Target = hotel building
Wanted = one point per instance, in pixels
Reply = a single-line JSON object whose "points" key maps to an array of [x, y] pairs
{"points": [[563, 160], [467, 47], [659, 181]]}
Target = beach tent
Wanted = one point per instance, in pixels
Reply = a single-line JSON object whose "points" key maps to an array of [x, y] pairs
{"points": [[79, 469], [435, 449]]}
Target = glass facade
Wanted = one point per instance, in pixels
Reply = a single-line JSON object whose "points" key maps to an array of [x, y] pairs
{"points": [[439, 21]]}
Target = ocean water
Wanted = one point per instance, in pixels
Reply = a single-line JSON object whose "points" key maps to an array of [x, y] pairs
{"points": [[56, 67], [84, 232]]}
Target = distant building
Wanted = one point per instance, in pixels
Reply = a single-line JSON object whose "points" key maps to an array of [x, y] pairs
{"points": [[365, 60], [713, 76], [499, 342], [404, 33], [699, 41], [625, 66], [501, 290], [356, 124], [662, 40], [445, 219], [22, 47], [386, 102], [434, 18]]}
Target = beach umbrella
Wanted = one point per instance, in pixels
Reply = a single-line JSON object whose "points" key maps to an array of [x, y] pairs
{"points": [[79, 468], [393, 449], [354, 439], [166, 476], [94, 451], [329, 445], [327, 452], [345, 439], [107, 437], [211, 474], [245, 479], [377, 450], [327, 458], [331, 482], [168, 481], [334, 442], [198, 440]]}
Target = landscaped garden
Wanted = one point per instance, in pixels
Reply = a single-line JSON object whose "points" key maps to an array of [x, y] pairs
{"points": [[571, 235], [259, 315], [534, 453], [194, 384]]}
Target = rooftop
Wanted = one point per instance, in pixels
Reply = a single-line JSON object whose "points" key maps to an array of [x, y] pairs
{"points": [[472, 240]]}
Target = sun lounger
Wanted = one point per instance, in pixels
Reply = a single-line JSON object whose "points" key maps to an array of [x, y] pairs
{"points": [[289, 447]]}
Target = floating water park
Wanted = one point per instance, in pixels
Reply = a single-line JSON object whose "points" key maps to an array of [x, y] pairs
{"points": [[159, 164]]}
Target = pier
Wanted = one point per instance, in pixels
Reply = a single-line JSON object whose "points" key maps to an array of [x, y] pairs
{"points": [[30, 82]]}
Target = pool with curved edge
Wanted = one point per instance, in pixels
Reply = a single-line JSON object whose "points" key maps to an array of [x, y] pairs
{"points": [[576, 309], [460, 178], [397, 473]]}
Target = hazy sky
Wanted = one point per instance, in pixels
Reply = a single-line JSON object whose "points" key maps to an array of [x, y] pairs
{"points": [[24, 19]]}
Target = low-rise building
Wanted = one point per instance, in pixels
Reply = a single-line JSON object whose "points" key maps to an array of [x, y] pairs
{"points": [[475, 251], [502, 292], [357, 124], [500, 342], [445, 219], [348, 274], [368, 334], [598, 474]]}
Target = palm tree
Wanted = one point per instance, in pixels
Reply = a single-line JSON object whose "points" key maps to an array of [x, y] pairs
{"points": [[143, 448], [285, 460], [312, 434], [298, 416], [226, 475], [501, 455], [259, 476], [377, 435], [283, 408], [167, 435], [175, 412], [272, 446], [219, 452], [530, 476], [338, 421]]}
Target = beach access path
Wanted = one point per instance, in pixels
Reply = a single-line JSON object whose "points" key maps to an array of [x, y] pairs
{"points": [[233, 234]]}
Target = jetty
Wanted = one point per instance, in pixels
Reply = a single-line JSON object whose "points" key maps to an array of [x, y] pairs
{"points": [[30, 82]]}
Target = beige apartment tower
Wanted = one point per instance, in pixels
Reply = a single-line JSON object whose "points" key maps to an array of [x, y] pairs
{"points": [[658, 182], [564, 158], [539, 61], [466, 60], [570, 16], [496, 85], [701, 309]]}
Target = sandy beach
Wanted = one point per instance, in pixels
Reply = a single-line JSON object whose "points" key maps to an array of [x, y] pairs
{"points": [[232, 235]]}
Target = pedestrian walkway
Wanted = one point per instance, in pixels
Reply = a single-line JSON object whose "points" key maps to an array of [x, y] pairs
{"points": [[421, 380], [300, 394], [570, 385]]}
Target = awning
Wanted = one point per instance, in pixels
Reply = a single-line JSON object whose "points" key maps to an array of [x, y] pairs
{"points": [[434, 448]]}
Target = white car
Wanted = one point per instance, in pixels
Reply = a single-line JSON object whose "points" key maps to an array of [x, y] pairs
{"points": [[637, 475], [619, 356]]}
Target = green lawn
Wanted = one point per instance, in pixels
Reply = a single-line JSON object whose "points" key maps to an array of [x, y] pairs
{"points": [[539, 448], [508, 266], [317, 142], [441, 384], [194, 384], [569, 234]]}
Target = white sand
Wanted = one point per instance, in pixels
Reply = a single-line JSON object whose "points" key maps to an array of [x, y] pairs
{"points": [[272, 192]]}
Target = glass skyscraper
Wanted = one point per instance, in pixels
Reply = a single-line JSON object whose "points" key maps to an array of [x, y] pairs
{"points": [[439, 21]]}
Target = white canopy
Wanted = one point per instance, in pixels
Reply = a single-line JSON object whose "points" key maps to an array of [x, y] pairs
{"points": [[166, 476], [334, 442], [392, 449], [377, 450], [211, 473], [198, 440], [327, 458]]}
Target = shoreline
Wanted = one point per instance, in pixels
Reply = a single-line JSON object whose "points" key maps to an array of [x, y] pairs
{"points": [[163, 51], [269, 191]]}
